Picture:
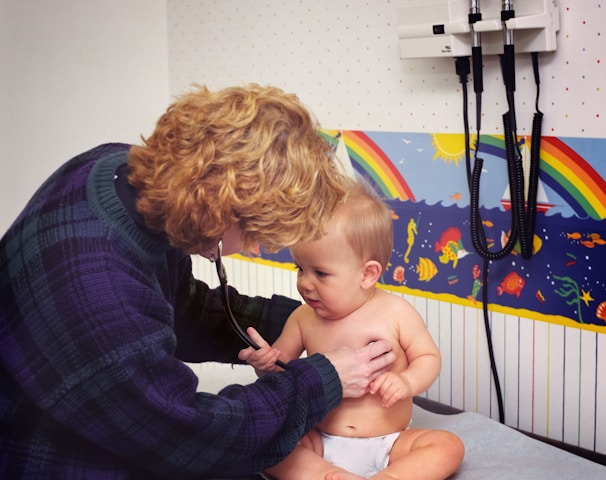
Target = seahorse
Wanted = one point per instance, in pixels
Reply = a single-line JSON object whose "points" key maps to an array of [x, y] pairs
{"points": [[411, 231]]}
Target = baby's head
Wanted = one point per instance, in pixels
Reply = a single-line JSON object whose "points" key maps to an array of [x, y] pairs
{"points": [[366, 224], [338, 273]]}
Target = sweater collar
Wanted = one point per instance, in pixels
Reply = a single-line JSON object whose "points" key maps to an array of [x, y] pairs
{"points": [[114, 201]]}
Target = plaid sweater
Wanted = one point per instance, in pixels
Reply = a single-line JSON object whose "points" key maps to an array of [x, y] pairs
{"points": [[96, 316]]}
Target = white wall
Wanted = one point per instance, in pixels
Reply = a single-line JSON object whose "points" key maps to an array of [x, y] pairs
{"points": [[74, 74], [342, 58]]}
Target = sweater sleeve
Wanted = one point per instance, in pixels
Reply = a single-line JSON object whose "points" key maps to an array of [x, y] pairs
{"points": [[203, 330], [101, 362], [243, 429]]}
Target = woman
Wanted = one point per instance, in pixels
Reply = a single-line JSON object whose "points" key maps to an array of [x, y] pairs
{"points": [[99, 306]]}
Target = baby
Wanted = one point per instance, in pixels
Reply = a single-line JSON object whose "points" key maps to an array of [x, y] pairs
{"points": [[367, 437]]}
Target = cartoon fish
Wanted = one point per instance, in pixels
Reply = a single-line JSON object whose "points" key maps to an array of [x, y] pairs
{"points": [[512, 284], [451, 246], [600, 311], [451, 234], [574, 235], [537, 243], [540, 296], [426, 269], [594, 239], [455, 197], [487, 223], [398, 274]]}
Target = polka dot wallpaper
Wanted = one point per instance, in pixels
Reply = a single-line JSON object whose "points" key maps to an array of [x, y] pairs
{"points": [[342, 59]]}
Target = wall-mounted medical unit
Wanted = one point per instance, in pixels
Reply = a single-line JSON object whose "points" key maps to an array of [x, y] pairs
{"points": [[446, 28]]}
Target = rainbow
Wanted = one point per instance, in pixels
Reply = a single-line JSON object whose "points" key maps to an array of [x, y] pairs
{"points": [[566, 172], [573, 178], [373, 161]]}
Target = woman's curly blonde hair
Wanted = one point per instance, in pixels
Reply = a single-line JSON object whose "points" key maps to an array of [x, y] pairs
{"points": [[243, 155]]}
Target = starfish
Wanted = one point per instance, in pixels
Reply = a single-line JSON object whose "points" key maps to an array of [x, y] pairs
{"points": [[586, 297]]}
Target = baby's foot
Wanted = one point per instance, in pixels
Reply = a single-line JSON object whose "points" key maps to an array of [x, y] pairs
{"points": [[343, 475]]}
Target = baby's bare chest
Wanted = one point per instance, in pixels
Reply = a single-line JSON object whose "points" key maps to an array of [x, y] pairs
{"points": [[354, 334]]}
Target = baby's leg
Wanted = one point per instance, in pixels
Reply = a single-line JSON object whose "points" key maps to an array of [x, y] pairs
{"points": [[422, 453], [306, 463]]}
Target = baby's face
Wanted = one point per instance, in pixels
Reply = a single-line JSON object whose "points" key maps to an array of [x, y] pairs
{"points": [[329, 275]]}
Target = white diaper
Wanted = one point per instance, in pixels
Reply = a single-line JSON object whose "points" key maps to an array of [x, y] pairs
{"points": [[362, 456]]}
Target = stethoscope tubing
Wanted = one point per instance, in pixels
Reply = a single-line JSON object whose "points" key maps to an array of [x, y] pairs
{"points": [[222, 274]]}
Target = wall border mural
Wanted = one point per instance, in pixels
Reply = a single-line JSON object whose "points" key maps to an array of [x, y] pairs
{"points": [[423, 178]]}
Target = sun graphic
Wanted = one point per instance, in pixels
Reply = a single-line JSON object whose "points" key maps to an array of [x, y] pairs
{"points": [[450, 147]]}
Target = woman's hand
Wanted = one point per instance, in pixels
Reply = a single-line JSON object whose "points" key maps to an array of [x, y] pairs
{"points": [[358, 368]]}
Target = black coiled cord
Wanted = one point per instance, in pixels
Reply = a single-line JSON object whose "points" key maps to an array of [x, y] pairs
{"points": [[523, 210], [516, 180], [535, 161], [462, 68]]}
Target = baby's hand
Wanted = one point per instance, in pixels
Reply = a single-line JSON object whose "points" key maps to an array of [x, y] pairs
{"points": [[264, 359], [391, 387]]}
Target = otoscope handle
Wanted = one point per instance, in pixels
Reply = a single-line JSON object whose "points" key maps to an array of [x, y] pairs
{"points": [[476, 62], [509, 68]]}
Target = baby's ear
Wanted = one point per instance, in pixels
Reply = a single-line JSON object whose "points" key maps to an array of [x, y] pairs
{"points": [[371, 273]]}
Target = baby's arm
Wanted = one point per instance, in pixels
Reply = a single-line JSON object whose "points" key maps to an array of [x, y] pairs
{"points": [[423, 361], [287, 347]]}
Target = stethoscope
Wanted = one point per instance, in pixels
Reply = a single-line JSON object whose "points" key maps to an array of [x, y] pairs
{"points": [[221, 273]]}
